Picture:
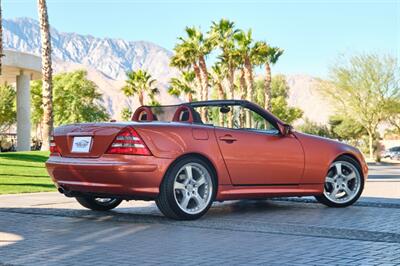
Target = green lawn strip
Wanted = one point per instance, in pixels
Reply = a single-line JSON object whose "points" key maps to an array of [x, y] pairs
{"points": [[24, 172]]}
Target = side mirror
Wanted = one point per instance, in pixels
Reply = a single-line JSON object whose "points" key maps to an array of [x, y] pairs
{"points": [[287, 130]]}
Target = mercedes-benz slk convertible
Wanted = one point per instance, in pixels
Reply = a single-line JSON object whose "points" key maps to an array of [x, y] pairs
{"points": [[186, 156]]}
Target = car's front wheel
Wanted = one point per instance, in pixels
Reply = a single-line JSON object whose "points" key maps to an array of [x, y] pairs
{"points": [[98, 204], [188, 189], [344, 183]]}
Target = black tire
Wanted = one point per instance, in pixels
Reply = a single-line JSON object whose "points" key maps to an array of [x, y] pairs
{"points": [[326, 201], [166, 200], [93, 204]]}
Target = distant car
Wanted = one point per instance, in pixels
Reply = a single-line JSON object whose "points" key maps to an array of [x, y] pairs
{"points": [[392, 153], [187, 156]]}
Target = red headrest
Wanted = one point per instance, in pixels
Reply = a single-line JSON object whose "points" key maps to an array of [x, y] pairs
{"points": [[143, 110], [178, 114]]}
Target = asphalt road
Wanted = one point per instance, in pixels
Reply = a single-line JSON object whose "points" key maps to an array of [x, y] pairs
{"points": [[49, 229], [384, 171]]}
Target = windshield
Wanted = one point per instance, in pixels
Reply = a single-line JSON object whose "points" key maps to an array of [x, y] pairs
{"points": [[234, 117]]}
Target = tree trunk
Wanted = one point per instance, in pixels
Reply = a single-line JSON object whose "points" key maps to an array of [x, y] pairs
{"points": [[243, 117], [47, 73], [243, 85], [1, 39], [248, 75], [267, 84], [198, 74], [190, 97], [220, 91], [141, 99], [231, 79], [221, 96], [231, 83], [204, 73]]}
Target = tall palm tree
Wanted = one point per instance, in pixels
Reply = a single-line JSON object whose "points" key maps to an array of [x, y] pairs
{"points": [[183, 85], [140, 83], [267, 56], [1, 39], [245, 54], [222, 34], [191, 52], [218, 76], [47, 74]]}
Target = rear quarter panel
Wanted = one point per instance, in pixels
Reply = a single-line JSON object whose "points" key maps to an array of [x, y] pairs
{"points": [[174, 140]]}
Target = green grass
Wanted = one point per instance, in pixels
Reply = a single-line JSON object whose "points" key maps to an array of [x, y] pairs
{"points": [[24, 172]]}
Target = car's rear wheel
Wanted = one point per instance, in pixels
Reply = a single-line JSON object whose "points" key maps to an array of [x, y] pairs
{"points": [[188, 189], [99, 204], [344, 183]]}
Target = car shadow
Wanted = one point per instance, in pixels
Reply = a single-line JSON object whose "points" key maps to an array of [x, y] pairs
{"points": [[151, 214]]}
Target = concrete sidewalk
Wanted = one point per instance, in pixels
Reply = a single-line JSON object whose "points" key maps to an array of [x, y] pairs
{"points": [[382, 188]]}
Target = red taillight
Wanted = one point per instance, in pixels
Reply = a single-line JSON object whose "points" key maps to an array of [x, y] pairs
{"points": [[128, 141], [54, 149]]}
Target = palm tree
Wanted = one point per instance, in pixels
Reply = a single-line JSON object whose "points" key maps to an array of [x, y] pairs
{"points": [[245, 54], [185, 61], [1, 39], [267, 56], [222, 34], [140, 83], [183, 85], [47, 74], [218, 75], [190, 53]]}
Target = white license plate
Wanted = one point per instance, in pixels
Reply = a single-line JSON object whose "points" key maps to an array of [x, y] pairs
{"points": [[81, 144]]}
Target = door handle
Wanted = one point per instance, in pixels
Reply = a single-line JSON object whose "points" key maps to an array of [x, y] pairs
{"points": [[227, 138]]}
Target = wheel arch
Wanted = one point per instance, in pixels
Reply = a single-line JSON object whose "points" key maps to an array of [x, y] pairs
{"points": [[352, 156], [198, 155]]}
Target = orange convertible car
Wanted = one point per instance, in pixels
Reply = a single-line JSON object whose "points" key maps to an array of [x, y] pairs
{"points": [[186, 156]]}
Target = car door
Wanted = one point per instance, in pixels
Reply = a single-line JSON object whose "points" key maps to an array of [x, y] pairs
{"points": [[260, 157]]}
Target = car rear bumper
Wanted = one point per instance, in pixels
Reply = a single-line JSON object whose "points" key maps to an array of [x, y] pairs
{"points": [[119, 175]]}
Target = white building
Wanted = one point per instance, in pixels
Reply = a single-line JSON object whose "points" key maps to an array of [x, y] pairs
{"points": [[19, 69]]}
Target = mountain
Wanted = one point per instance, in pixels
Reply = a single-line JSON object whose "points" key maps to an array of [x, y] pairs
{"points": [[106, 61], [305, 94]]}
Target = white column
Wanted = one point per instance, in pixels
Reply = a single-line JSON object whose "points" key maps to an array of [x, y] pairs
{"points": [[23, 112]]}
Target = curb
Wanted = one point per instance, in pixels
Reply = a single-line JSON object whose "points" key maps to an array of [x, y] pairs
{"points": [[362, 202]]}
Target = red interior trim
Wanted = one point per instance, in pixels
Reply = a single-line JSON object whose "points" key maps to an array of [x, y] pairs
{"points": [[140, 110], [178, 113]]}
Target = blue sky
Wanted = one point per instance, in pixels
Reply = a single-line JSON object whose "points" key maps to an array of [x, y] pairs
{"points": [[313, 33]]}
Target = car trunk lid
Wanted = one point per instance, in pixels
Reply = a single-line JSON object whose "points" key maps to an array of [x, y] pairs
{"points": [[86, 140]]}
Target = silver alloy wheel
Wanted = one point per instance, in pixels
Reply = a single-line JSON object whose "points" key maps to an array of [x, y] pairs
{"points": [[105, 201], [193, 188], [342, 183]]}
